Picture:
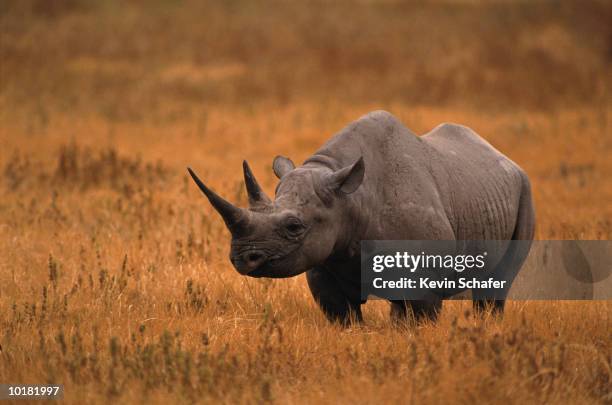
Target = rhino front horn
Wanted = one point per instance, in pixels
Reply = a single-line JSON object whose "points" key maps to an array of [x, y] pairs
{"points": [[231, 214], [256, 194]]}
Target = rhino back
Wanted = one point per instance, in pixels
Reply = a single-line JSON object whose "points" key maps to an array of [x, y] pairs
{"points": [[447, 184], [481, 186], [398, 198]]}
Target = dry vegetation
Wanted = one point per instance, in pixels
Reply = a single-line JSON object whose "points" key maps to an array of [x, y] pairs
{"points": [[113, 272]]}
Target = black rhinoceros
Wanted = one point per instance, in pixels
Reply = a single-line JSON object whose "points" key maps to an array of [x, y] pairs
{"points": [[376, 180]]}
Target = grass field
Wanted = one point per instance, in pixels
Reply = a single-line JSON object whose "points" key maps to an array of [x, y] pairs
{"points": [[114, 277]]}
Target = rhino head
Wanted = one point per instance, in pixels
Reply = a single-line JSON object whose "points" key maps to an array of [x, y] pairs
{"points": [[297, 230]]}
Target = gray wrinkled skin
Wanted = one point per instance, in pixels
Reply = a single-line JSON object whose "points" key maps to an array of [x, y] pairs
{"points": [[376, 180]]}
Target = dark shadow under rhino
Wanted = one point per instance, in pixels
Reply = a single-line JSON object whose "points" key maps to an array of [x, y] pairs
{"points": [[376, 180]]}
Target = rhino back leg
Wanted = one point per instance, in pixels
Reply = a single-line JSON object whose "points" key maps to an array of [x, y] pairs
{"points": [[516, 255], [332, 298], [419, 310]]}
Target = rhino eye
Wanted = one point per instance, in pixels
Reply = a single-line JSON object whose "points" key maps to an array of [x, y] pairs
{"points": [[294, 226]]}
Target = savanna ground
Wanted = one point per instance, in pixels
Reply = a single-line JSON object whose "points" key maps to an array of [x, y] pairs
{"points": [[114, 277]]}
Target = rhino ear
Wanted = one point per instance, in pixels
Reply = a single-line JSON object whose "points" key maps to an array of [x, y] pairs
{"points": [[349, 178], [282, 166]]}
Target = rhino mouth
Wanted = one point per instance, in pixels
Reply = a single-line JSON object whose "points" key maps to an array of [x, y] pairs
{"points": [[267, 269], [274, 268], [259, 272]]}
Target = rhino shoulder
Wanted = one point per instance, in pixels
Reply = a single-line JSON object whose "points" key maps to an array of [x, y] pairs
{"points": [[380, 115], [455, 131], [381, 126]]}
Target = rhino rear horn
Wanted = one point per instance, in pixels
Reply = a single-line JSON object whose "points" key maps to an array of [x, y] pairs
{"points": [[231, 214], [256, 194]]}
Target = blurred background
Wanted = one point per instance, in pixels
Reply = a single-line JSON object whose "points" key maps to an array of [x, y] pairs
{"points": [[209, 83], [135, 60]]}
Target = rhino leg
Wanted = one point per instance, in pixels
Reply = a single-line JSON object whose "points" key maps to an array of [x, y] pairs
{"points": [[420, 310], [332, 298], [516, 255]]}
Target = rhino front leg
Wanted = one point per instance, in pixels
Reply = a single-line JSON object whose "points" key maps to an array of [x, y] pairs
{"points": [[336, 304]]}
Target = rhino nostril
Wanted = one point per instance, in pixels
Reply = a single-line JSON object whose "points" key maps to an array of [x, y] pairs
{"points": [[254, 257]]}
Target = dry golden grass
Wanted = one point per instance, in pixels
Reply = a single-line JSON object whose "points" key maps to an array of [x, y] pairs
{"points": [[114, 278]]}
